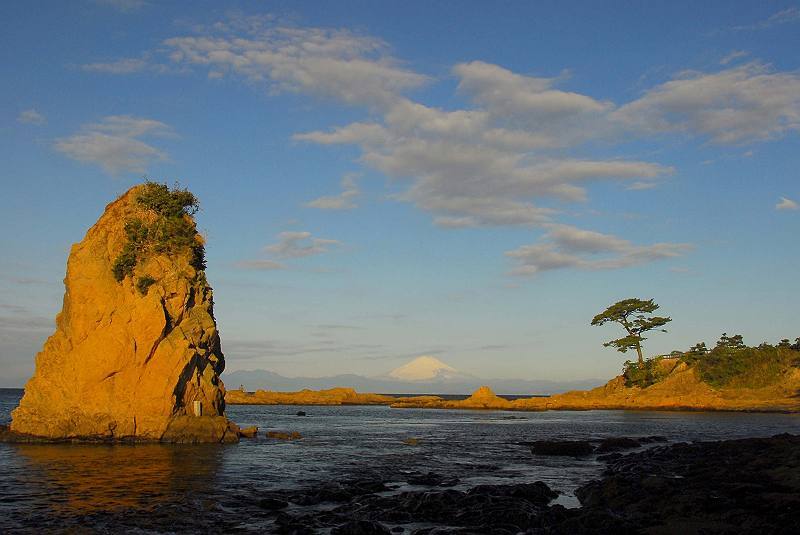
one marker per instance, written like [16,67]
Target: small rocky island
[136,354]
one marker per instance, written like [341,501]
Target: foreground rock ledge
[123,363]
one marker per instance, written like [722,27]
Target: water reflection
[84,479]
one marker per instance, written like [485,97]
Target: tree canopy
[634,316]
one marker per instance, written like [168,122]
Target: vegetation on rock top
[730,364]
[171,231]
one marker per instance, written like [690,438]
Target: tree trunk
[639,351]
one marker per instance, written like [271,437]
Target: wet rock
[432,479]
[617,443]
[301,413]
[272,504]
[651,439]
[567,448]
[248,432]
[736,486]
[538,492]
[411,442]
[281,435]
[360,527]
[358,487]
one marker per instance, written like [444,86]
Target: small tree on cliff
[633,315]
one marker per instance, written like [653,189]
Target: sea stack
[136,353]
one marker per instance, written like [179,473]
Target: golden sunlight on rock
[136,353]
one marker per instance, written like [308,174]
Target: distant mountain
[423,375]
[427,368]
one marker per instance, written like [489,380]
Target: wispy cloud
[114,143]
[564,247]
[786,204]
[641,185]
[346,200]
[120,66]
[512,157]
[261,265]
[300,244]
[786,16]
[734,106]
[290,245]
[31,117]
[733,56]
[333,63]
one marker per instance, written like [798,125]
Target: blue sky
[384,180]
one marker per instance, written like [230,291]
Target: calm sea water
[84,487]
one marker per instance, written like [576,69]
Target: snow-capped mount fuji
[427,368]
[423,375]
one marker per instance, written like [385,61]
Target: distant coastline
[680,388]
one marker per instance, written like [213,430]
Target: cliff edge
[136,353]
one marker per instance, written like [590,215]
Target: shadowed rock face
[126,364]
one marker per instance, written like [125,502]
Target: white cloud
[331,63]
[113,143]
[786,204]
[31,117]
[299,244]
[565,246]
[465,180]
[511,157]
[505,93]
[343,201]
[737,105]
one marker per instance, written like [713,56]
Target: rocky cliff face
[138,357]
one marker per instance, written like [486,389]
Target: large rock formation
[137,357]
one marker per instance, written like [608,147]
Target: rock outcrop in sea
[136,353]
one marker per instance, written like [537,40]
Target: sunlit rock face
[128,362]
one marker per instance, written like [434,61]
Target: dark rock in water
[360,527]
[432,479]
[248,432]
[617,443]
[538,492]
[609,457]
[650,439]
[281,435]
[301,413]
[357,487]
[272,504]
[569,448]
[735,486]
[338,492]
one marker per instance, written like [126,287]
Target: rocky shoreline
[737,486]
[747,485]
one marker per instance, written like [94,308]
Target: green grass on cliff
[730,364]
[173,231]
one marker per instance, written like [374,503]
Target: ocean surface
[156,488]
